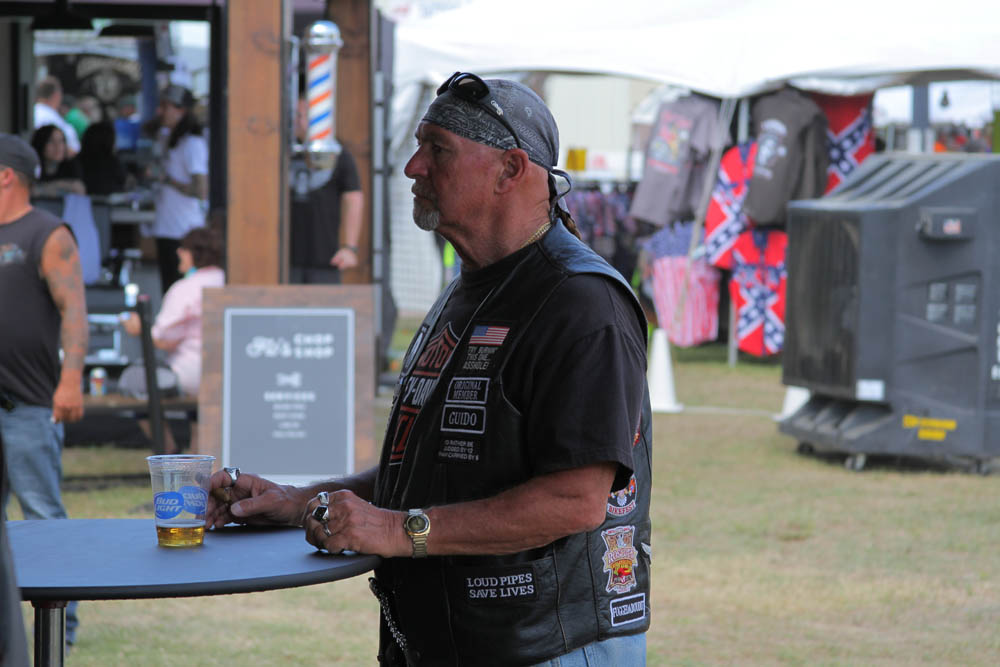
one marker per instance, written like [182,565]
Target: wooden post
[257,116]
[354,111]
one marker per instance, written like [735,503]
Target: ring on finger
[326,529]
[323,497]
[234,473]
[321,513]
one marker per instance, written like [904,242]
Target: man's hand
[357,525]
[67,402]
[346,258]
[253,500]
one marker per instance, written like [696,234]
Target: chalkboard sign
[288,392]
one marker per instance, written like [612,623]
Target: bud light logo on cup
[168,504]
[195,499]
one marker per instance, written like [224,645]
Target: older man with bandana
[511,500]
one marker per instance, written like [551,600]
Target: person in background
[326,214]
[42,299]
[511,502]
[91,108]
[59,173]
[183,179]
[13,644]
[103,173]
[48,99]
[177,328]
[73,114]
[127,125]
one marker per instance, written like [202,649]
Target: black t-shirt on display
[583,346]
[315,209]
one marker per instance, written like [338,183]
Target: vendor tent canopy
[723,48]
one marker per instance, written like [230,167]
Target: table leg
[50,633]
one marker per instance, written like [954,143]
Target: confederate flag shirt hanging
[850,134]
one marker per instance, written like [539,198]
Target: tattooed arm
[61,270]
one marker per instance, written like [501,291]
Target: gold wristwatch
[418,526]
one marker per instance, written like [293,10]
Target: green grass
[760,556]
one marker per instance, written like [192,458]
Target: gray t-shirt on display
[682,137]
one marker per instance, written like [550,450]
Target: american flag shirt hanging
[725,219]
[686,300]
[757,290]
[850,134]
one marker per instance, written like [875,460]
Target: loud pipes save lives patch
[511,585]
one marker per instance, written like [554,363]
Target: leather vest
[465,444]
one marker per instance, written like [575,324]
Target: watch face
[416,523]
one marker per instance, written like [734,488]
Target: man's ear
[515,170]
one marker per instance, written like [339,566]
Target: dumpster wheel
[855,462]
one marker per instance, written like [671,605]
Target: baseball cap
[177,95]
[18,154]
[500,113]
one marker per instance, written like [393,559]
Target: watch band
[352,248]
[418,526]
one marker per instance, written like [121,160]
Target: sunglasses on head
[472,89]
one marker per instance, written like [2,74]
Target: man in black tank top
[511,501]
[43,308]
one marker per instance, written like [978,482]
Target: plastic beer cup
[181,483]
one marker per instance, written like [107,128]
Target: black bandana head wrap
[522,108]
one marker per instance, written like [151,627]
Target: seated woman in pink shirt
[177,328]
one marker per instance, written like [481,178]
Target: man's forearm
[531,515]
[351,209]
[74,337]
[61,271]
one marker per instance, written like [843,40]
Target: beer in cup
[181,483]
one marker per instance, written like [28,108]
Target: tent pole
[742,136]
[725,118]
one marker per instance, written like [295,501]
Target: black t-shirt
[315,209]
[573,375]
[67,169]
[29,340]
[102,174]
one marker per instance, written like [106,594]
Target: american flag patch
[488,335]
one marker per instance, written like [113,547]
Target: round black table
[113,559]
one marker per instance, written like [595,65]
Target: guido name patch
[463,419]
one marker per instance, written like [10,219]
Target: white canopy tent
[723,48]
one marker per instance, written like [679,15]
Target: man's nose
[416,166]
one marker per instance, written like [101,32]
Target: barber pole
[322,43]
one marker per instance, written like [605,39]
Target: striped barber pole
[320,82]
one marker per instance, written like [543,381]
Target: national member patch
[620,558]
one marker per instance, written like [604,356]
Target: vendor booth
[771,56]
